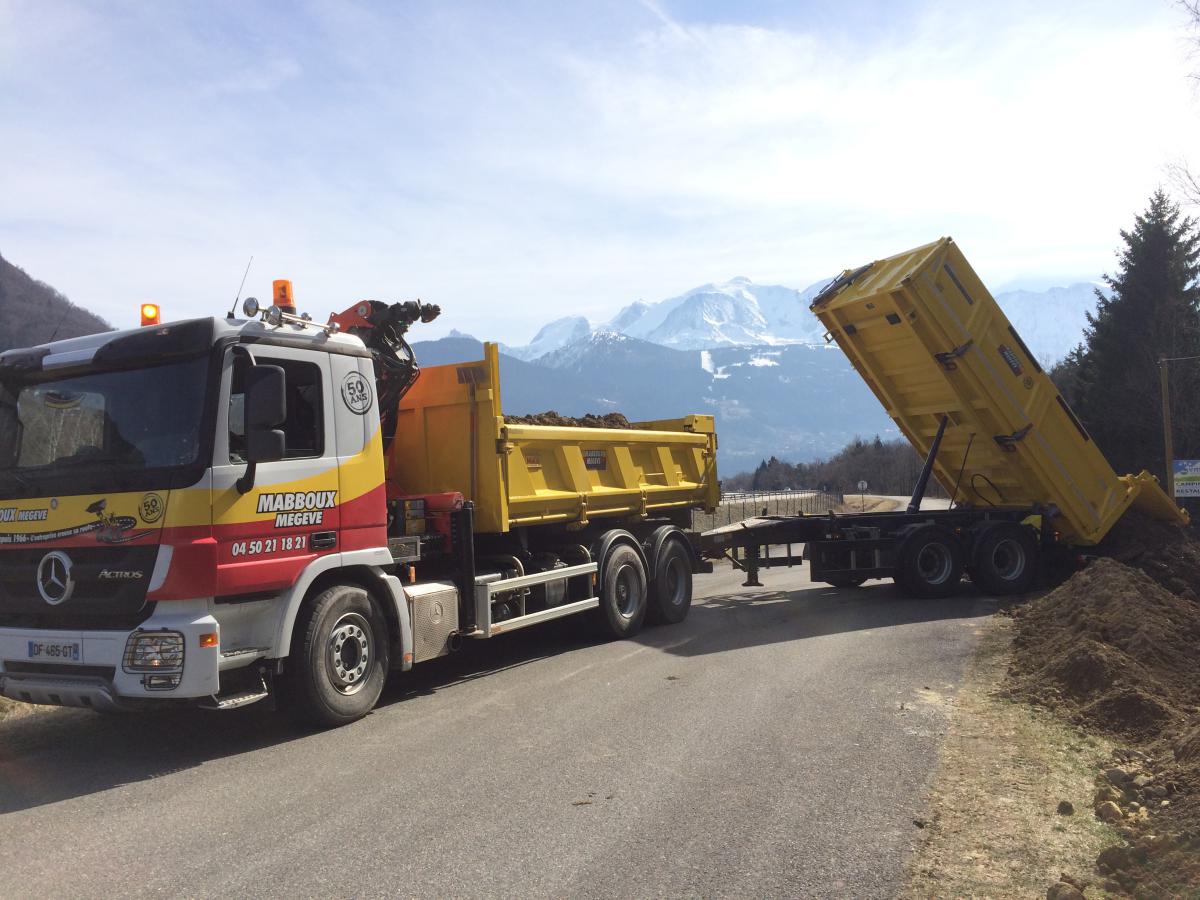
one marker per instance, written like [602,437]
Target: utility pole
[1168,443]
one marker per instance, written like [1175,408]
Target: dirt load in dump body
[589,420]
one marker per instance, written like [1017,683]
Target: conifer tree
[1153,312]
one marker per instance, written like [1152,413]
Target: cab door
[363,511]
[269,534]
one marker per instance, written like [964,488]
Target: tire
[931,563]
[623,593]
[339,658]
[1005,560]
[845,581]
[671,592]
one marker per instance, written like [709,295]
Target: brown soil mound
[1117,649]
[1114,647]
[608,420]
[1167,553]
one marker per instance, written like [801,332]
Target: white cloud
[523,165]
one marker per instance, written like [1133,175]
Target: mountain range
[740,313]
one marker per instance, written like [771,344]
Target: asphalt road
[777,743]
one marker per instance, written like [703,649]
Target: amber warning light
[150,314]
[281,288]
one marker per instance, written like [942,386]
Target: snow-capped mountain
[550,337]
[739,313]
[731,313]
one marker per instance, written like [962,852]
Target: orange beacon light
[281,294]
[150,314]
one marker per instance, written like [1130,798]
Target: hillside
[32,312]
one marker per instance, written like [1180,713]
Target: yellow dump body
[451,436]
[931,342]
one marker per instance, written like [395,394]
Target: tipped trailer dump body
[215,511]
[1023,474]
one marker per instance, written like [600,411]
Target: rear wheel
[671,595]
[339,658]
[623,594]
[1005,560]
[931,563]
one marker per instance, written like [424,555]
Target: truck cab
[145,552]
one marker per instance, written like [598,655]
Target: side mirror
[265,408]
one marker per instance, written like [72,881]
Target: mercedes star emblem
[54,580]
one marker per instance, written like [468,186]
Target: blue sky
[515,162]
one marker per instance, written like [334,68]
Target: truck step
[234,701]
[239,698]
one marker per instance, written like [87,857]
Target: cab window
[304,431]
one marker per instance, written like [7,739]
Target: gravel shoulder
[13,709]
[994,825]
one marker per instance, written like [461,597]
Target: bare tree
[1186,182]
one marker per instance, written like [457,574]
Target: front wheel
[623,594]
[339,658]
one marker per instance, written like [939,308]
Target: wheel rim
[627,593]
[934,563]
[349,653]
[676,576]
[1008,559]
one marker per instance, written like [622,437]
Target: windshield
[146,419]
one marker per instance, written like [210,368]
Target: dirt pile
[1116,649]
[550,417]
[1167,553]
[1113,647]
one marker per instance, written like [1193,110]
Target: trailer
[1022,472]
[220,510]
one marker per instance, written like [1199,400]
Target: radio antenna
[240,286]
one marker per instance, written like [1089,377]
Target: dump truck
[220,510]
[1024,476]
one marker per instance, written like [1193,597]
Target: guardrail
[738,505]
[740,496]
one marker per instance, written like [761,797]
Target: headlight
[152,651]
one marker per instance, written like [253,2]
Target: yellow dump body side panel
[931,342]
[451,436]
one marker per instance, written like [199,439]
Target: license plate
[57,651]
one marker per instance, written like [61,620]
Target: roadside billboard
[1187,478]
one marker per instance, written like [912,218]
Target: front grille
[109,591]
[32,668]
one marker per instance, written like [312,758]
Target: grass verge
[994,828]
